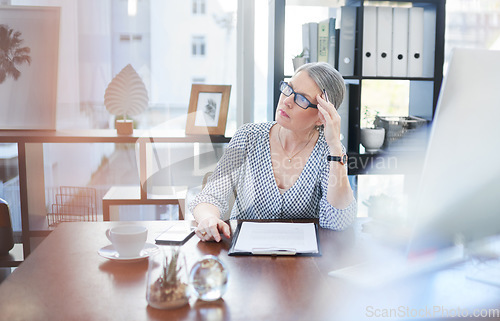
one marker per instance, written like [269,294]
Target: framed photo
[29,67]
[208,107]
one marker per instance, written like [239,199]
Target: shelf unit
[424,91]
[31,223]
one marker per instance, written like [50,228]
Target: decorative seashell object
[126,94]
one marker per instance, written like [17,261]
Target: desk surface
[65,279]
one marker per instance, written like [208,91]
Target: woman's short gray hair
[328,78]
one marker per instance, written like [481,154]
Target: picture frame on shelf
[28,83]
[208,108]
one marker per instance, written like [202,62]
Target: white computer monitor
[459,192]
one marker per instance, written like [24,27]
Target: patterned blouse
[245,169]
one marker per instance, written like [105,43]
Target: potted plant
[372,138]
[300,59]
[167,280]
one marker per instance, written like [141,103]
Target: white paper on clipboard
[259,237]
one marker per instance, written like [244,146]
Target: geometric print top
[245,169]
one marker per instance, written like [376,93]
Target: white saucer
[109,252]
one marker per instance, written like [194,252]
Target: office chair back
[6,234]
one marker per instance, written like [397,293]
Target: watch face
[344,159]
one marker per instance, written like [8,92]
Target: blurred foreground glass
[167,283]
[208,278]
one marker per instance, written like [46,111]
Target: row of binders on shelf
[320,41]
[396,42]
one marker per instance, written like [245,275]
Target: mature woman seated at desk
[291,168]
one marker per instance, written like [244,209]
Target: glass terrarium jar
[208,278]
[167,282]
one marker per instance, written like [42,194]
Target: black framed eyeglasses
[299,99]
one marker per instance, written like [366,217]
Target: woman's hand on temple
[330,118]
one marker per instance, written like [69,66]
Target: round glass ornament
[209,278]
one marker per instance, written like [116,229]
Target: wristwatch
[341,159]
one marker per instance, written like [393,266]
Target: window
[261,53]
[105,40]
[471,24]
[199,7]
[198,46]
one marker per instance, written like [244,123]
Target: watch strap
[331,158]
[341,159]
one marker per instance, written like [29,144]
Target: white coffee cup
[128,240]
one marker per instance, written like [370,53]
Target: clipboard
[271,251]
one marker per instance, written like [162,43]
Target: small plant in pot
[167,280]
[372,138]
[300,59]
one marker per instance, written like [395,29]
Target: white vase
[297,62]
[372,139]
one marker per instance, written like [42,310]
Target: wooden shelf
[131,195]
[424,91]
[103,136]
[140,137]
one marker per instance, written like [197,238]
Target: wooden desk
[65,279]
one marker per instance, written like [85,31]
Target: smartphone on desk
[176,234]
